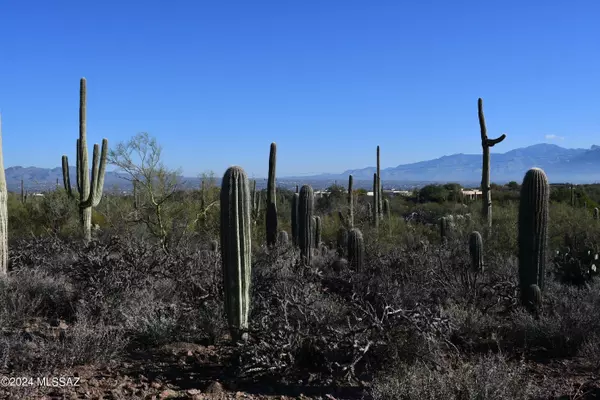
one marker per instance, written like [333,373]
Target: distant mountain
[560,164]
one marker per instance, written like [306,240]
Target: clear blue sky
[217,81]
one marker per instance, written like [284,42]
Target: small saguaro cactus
[486,193]
[596,213]
[305,222]
[386,208]
[317,221]
[23,195]
[444,229]
[476,251]
[90,193]
[356,249]
[533,230]
[3,213]
[283,238]
[533,298]
[271,217]
[295,203]
[350,202]
[236,249]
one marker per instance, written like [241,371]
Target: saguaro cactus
[317,221]
[444,228]
[350,202]
[295,202]
[3,213]
[379,188]
[386,208]
[283,238]
[533,231]
[476,251]
[356,249]
[486,193]
[89,193]
[271,218]
[236,249]
[375,201]
[305,228]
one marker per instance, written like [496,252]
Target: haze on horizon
[215,84]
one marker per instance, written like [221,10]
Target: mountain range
[560,164]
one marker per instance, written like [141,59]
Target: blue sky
[217,81]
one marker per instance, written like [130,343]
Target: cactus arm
[78,166]
[98,180]
[492,142]
[66,176]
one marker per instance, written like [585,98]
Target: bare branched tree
[140,159]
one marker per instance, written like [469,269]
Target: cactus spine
[23,197]
[386,208]
[236,249]
[476,251]
[350,202]
[90,193]
[305,228]
[3,213]
[533,231]
[271,218]
[356,249]
[295,203]
[485,174]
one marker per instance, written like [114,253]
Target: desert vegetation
[227,291]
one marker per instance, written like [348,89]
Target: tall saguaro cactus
[350,202]
[305,222]
[3,213]
[295,203]
[486,143]
[271,218]
[533,232]
[90,193]
[375,207]
[236,252]
[379,188]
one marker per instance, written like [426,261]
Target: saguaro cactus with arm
[90,193]
[486,194]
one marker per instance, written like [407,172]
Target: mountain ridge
[560,164]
